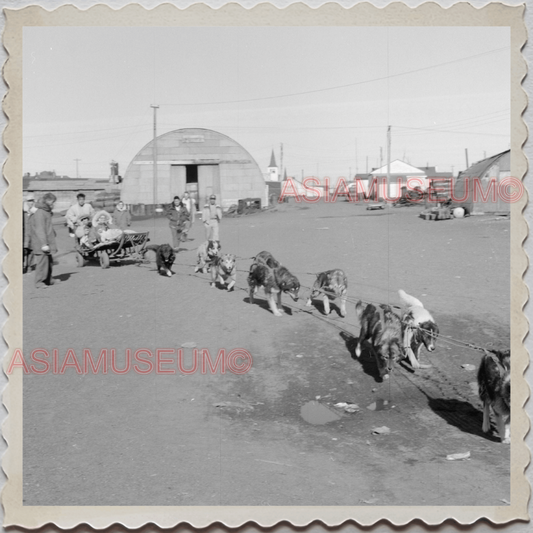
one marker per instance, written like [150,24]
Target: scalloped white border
[166,14]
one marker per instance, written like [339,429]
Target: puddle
[380,405]
[316,413]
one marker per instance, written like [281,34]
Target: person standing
[212,215]
[190,205]
[178,217]
[121,216]
[75,211]
[43,240]
[27,210]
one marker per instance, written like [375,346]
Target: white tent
[291,187]
[401,173]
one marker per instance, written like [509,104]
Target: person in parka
[121,216]
[178,217]
[43,240]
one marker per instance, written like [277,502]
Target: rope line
[457,343]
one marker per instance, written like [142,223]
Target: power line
[454,131]
[82,131]
[142,127]
[37,146]
[476,117]
[466,123]
[389,76]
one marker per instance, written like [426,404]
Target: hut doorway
[191,183]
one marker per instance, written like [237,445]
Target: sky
[327,94]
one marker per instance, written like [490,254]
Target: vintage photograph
[266,265]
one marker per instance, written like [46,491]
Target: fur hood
[43,205]
[98,214]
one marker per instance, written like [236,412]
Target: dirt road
[227,439]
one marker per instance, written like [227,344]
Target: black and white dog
[419,329]
[164,257]
[208,252]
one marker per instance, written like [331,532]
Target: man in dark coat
[43,240]
[178,217]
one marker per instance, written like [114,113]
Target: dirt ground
[227,439]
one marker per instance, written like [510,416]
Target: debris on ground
[348,407]
[383,430]
[458,456]
[380,405]
[188,345]
[468,367]
[234,405]
[370,501]
[372,207]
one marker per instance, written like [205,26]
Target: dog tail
[359,308]
[408,300]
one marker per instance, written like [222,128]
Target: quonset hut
[198,160]
[474,182]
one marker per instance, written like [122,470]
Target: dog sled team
[390,337]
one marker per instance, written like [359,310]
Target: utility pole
[281,163]
[77,175]
[466,154]
[356,165]
[388,160]
[154,152]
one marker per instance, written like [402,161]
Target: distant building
[273,169]
[399,172]
[197,160]
[432,172]
[291,187]
[421,177]
[66,189]
[480,175]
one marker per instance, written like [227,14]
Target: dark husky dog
[164,257]
[274,279]
[382,327]
[266,258]
[494,380]
[330,284]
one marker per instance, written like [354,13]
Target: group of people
[81,211]
[89,226]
